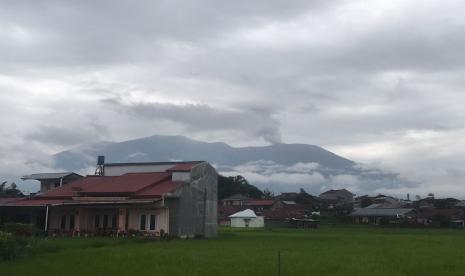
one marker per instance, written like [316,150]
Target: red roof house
[151,198]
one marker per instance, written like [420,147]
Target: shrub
[10,248]
[20,229]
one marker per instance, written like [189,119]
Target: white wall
[257,222]
[161,221]
[120,170]
[182,176]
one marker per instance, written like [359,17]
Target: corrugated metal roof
[153,163]
[43,176]
[60,202]
[388,212]
[183,167]
[330,192]
[5,200]
[237,197]
[159,189]
[72,188]
[247,213]
[127,183]
[260,202]
[148,184]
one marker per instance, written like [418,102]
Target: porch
[108,221]
[151,220]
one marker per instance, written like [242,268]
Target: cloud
[379,82]
[201,117]
[68,135]
[316,179]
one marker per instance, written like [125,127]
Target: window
[113,222]
[143,222]
[63,223]
[105,221]
[97,221]
[71,222]
[152,223]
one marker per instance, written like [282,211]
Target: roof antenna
[99,170]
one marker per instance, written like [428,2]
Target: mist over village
[262,134]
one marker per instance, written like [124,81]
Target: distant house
[382,215]
[441,217]
[235,200]
[282,212]
[246,219]
[303,223]
[176,198]
[337,196]
[49,181]
[260,205]
[292,196]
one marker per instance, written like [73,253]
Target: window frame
[143,222]
[154,222]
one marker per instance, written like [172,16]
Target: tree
[267,194]
[304,198]
[231,185]
[10,191]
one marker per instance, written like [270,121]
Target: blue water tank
[101,160]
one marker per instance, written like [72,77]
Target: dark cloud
[68,135]
[73,33]
[202,118]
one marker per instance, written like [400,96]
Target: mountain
[163,148]
[275,166]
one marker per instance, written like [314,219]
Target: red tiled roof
[182,167]
[261,202]
[131,184]
[159,189]
[126,183]
[8,199]
[71,189]
[285,214]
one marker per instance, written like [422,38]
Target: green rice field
[323,251]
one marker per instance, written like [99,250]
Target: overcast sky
[379,82]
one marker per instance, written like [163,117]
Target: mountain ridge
[163,148]
[279,167]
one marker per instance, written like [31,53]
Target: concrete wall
[120,170]
[257,222]
[194,211]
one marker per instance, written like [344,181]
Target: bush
[16,239]
[10,248]
[20,229]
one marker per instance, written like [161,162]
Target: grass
[324,251]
